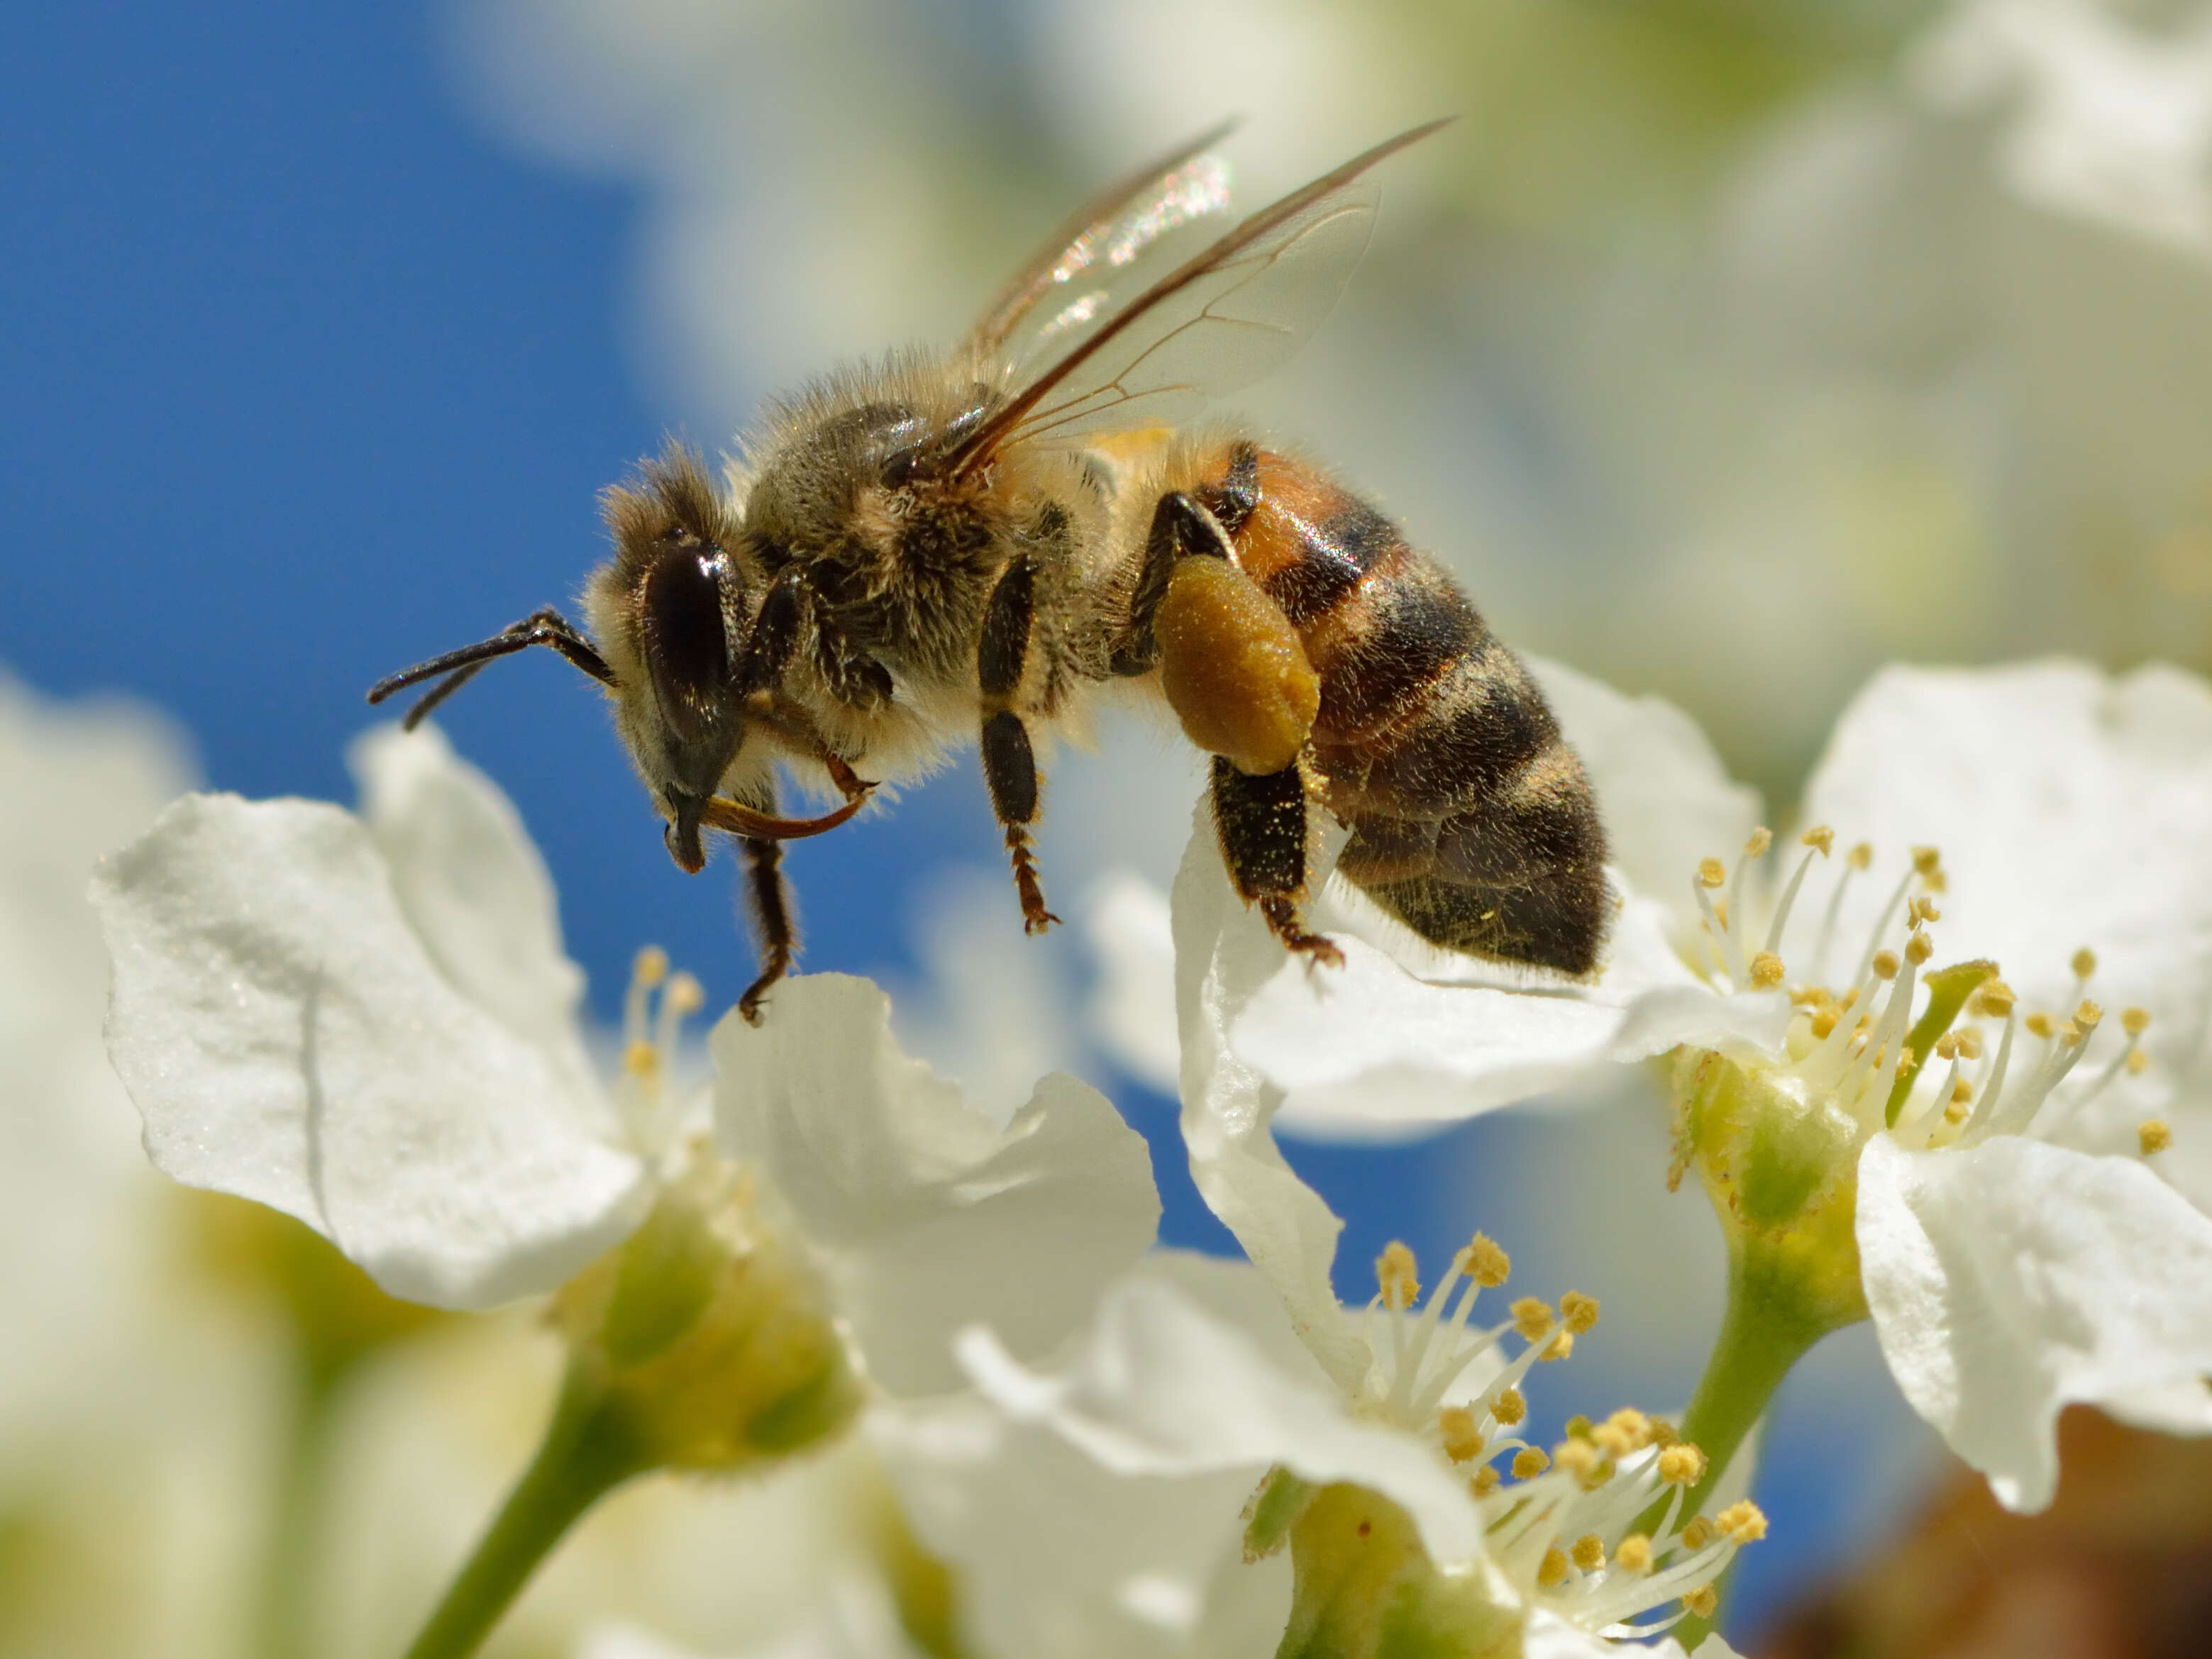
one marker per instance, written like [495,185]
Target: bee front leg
[1009,761]
[1261,823]
[770,898]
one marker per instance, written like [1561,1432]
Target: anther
[1742,1521]
[1483,1481]
[1553,1570]
[1969,1044]
[1766,970]
[1919,948]
[1487,1262]
[2088,1016]
[1761,839]
[650,967]
[1634,1554]
[2084,963]
[1579,1313]
[1529,1462]
[685,994]
[1824,1022]
[1510,1406]
[1711,873]
[1682,1465]
[642,1059]
[1946,1046]
[1699,1533]
[1993,999]
[2153,1135]
[1664,1433]
[1582,1459]
[1926,862]
[1590,1551]
[1885,964]
[1921,909]
[2070,1035]
[1861,857]
[2135,1021]
[1561,1347]
[1819,836]
[1532,1317]
[2138,1062]
[1461,1439]
[1703,1601]
[1633,1425]
[2039,1024]
[1397,1276]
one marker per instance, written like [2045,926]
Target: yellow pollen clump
[1766,970]
[1819,835]
[1861,857]
[1397,1275]
[1885,964]
[1961,1092]
[1578,1427]
[1946,1046]
[1698,1533]
[1682,1465]
[1578,1312]
[1590,1551]
[1483,1481]
[1711,873]
[1455,1428]
[2084,963]
[651,966]
[1561,1347]
[1553,1570]
[1529,1462]
[1993,999]
[2088,1016]
[1705,1601]
[1510,1407]
[1742,1521]
[2138,1062]
[1970,1043]
[2135,1021]
[1486,1262]
[1664,1433]
[1919,947]
[685,994]
[2153,1135]
[1926,860]
[1532,1317]
[1634,1554]
[642,1059]
[1921,909]
[1761,839]
[1581,1459]
[2039,1024]
[1634,1425]
[1824,1022]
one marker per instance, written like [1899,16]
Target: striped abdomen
[1473,822]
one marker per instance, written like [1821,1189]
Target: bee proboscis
[969,544]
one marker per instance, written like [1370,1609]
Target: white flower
[368,1022]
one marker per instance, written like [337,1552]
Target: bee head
[671,607]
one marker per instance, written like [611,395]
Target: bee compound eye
[686,638]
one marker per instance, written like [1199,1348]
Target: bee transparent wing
[1219,322]
[1100,245]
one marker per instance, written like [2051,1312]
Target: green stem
[587,1452]
[1764,1334]
[287,1571]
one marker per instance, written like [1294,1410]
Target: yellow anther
[650,967]
[1811,996]
[1720,911]
[2070,1035]
[1766,970]
[1825,1022]
[1582,1459]
[1711,873]
[1761,839]
[1483,1481]
[1698,1533]
[2153,1135]
[1919,948]
[1397,1275]
[1553,1570]
[1579,1313]
[1532,1317]
[642,1059]
[1970,1043]
[1961,1092]
[1682,1465]
[1885,964]
[1992,999]
[685,994]
[1614,1443]
[1578,1427]
[1664,1433]
[2138,1062]
[1946,1046]
[1742,1521]
[1861,857]
[1590,1551]
[2084,963]
[1634,1554]
[1486,1262]
[1955,1113]
[1455,1428]
[1510,1407]
[1529,1462]
[2135,1021]
[2088,1016]
[1821,836]
[1920,909]
[1633,1425]
[1561,1347]
[1927,861]
[1703,1601]
[2039,1024]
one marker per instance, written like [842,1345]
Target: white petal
[1550,1637]
[1133,1013]
[2012,1279]
[470,884]
[929,1217]
[1162,1387]
[1666,798]
[287,1038]
[2070,808]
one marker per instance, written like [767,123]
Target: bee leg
[770,898]
[1262,823]
[1181,529]
[1009,763]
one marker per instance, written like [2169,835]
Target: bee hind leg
[1261,823]
[1009,760]
[1181,529]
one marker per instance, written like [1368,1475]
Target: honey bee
[972,544]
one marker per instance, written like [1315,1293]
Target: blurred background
[1725,348]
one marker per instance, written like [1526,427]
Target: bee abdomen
[1474,822]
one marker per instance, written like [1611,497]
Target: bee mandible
[972,544]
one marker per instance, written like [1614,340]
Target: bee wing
[1219,321]
[1102,241]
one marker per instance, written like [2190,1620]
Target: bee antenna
[455,669]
